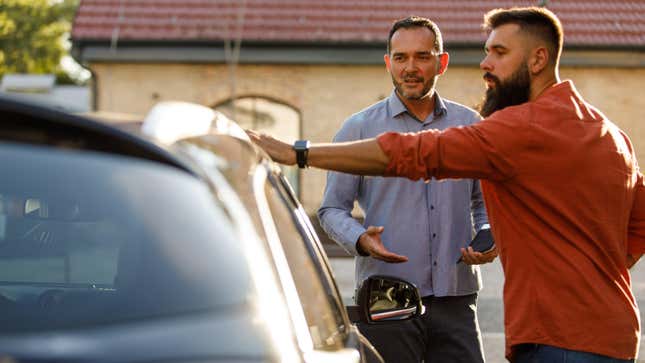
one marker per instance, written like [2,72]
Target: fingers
[478,258]
[387,256]
[381,253]
[370,242]
[492,253]
[258,137]
[278,151]
[391,258]
[253,135]
[471,257]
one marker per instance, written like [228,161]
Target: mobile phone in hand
[483,242]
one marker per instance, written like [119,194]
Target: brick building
[305,65]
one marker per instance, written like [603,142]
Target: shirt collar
[397,107]
[439,106]
[563,86]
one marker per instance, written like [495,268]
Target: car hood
[221,335]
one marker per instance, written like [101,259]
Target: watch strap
[302,152]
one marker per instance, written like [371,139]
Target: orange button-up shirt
[566,202]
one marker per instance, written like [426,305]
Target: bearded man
[562,187]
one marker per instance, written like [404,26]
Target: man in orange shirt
[564,194]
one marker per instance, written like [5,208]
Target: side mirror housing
[384,298]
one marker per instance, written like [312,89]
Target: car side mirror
[386,298]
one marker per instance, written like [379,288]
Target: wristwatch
[302,151]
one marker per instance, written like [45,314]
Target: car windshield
[89,238]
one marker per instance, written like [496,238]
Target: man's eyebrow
[495,47]
[421,52]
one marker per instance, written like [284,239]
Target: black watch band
[302,151]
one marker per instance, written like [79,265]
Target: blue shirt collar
[397,107]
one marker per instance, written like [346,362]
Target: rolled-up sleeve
[410,154]
[481,151]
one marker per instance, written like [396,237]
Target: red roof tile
[586,23]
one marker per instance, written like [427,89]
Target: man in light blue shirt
[413,230]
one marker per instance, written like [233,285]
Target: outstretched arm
[486,150]
[367,158]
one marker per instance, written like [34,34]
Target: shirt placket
[433,217]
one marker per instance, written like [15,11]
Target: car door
[312,272]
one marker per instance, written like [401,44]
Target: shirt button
[431,207]
[435,263]
[434,235]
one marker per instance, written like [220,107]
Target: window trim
[314,246]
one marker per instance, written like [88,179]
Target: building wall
[326,95]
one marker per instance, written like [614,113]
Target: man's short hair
[534,21]
[417,22]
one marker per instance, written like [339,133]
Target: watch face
[301,147]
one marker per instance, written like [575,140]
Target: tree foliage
[33,34]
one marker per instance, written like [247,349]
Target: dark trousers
[539,353]
[447,333]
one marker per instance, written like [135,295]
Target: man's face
[505,70]
[413,62]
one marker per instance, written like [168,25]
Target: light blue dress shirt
[427,222]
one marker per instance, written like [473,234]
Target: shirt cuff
[352,239]
[386,142]
[407,153]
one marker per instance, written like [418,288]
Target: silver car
[185,244]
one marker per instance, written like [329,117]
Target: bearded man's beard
[514,91]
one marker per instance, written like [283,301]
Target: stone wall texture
[326,95]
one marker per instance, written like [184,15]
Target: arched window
[276,119]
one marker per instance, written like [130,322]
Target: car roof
[35,123]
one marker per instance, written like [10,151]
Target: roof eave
[324,53]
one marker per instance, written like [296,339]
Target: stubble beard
[514,91]
[428,88]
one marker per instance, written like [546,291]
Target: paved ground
[490,301]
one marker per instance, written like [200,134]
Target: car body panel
[183,339]
[278,320]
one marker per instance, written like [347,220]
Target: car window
[314,245]
[320,310]
[89,238]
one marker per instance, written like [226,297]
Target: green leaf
[33,34]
